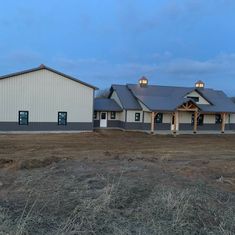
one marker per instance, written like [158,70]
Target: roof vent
[143,82]
[42,66]
[199,84]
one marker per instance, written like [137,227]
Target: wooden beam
[152,122]
[176,115]
[180,109]
[190,106]
[223,122]
[195,122]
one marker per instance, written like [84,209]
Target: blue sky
[172,42]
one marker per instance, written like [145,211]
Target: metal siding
[131,116]
[43,94]
[45,126]
[185,117]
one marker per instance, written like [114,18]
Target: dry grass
[122,206]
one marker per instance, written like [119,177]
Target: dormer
[196,97]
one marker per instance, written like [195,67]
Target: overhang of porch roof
[188,105]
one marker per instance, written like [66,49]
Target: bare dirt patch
[117,183]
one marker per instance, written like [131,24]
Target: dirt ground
[38,167]
[210,158]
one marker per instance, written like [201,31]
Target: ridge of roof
[41,67]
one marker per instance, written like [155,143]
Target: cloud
[163,69]
[220,64]
[136,18]
[188,67]
[20,59]
[103,72]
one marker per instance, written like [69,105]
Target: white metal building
[43,99]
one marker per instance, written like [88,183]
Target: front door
[103,119]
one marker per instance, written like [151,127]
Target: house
[43,99]
[152,108]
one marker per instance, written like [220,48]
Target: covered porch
[196,115]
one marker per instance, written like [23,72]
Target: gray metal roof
[127,99]
[106,104]
[42,66]
[220,101]
[168,98]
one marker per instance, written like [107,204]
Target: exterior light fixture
[199,84]
[143,82]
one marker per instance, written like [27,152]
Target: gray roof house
[152,107]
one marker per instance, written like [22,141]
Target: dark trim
[27,118]
[46,126]
[205,127]
[96,123]
[125,115]
[49,69]
[115,123]
[66,117]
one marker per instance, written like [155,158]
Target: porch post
[176,121]
[152,122]
[195,122]
[223,122]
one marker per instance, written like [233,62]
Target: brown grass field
[114,182]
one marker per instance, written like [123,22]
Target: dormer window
[194,98]
[143,82]
[199,84]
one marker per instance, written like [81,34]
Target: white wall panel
[131,116]
[44,93]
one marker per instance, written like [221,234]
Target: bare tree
[104,93]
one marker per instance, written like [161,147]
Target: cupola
[143,82]
[199,84]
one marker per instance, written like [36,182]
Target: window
[158,118]
[103,116]
[218,119]
[195,99]
[137,117]
[199,119]
[23,117]
[62,118]
[95,114]
[113,115]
